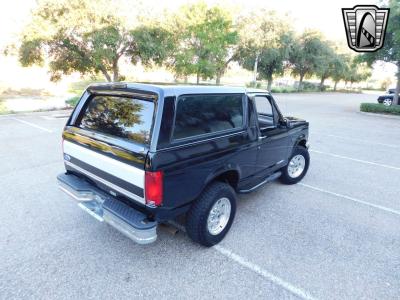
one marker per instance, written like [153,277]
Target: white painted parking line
[357,160]
[360,140]
[256,269]
[32,125]
[264,273]
[384,208]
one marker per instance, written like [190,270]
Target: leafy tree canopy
[307,54]
[340,64]
[265,39]
[88,37]
[357,72]
[203,38]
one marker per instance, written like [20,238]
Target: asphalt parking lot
[333,236]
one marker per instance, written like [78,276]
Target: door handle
[263,137]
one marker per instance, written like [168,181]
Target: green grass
[380,108]
[73,101]
[3,110]
[78,87]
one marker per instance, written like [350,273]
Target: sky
[325,16]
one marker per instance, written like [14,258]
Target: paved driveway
[334,236]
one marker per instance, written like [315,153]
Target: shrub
[283,90]
[309,86]
[380,108]
[3,109]
[257,85]
[72,101]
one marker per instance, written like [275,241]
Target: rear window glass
[202,114]
[123,117]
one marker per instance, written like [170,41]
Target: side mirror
[286,123]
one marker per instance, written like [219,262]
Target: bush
[72,101]
[2,108]
[257,85]
[380,108]
[309,86]
[283,90]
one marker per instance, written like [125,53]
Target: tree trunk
[198,77]
[321,84]
[396,95]
[300,87]
[269,84]
[334,87]
[255,71]
[106,75]
[115,71]
[186,79]
[218,79]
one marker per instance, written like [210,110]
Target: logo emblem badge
[365,27]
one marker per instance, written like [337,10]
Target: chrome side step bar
[103,207]
[266,180]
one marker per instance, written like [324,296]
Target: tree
[87,37]
[391,49]
[326,63]
[204,37]
[357,72]
[265,41]
[340,68]
[305,55]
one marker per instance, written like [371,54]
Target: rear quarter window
[122,117]
[206,114]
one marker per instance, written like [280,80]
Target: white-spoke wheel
[219,216]
[387,102]
[296,166]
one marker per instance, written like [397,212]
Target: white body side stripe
[111,166]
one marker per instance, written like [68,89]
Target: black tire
[285,177]
[196,218]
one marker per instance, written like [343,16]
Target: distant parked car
[387,99]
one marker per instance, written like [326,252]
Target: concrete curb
[38,113]
[380,115]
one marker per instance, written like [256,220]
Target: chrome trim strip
[107,183]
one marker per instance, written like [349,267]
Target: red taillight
[154,187]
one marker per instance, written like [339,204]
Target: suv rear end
[106,143]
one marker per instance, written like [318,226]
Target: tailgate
[108,141]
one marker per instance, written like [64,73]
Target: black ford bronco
[137,155]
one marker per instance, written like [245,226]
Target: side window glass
[263,106]
[204,114]
[266,112]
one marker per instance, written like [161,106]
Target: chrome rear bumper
[103,207]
